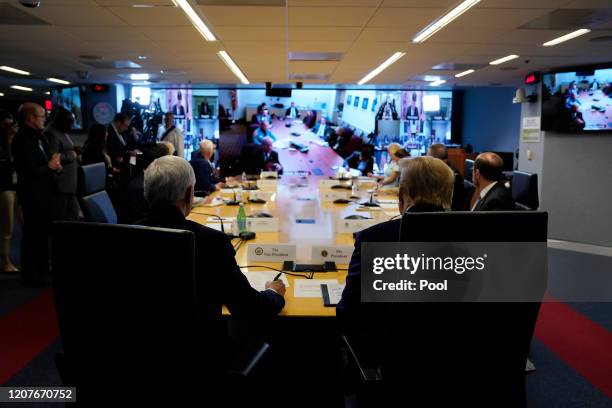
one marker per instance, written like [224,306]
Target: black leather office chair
[463,354]
[468,169]
[127,320]
[525,190]
[95,202]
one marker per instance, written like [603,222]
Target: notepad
[332,293]
[311,288]
[258,279]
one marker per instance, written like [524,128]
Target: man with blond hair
[206,180]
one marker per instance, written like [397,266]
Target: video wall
[69,98]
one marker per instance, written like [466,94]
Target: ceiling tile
[301,33]
[330,16]
[76,15]
[241,33]
[244,16]
[151,16]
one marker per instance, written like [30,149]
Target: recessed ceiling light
[464,73]
[566,37]
[504,59]
[14,70]
[381,67]
[1,94]
[21,88]
[233,67]
[139,77]
[195,19]
[58,81]
[142,57]
[438,24]
[437,83]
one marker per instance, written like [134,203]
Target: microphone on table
[233,202]
[371,202]
[220,220]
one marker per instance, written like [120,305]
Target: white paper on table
[311,288]
[225,219]
[217,226]
[258,279]
[335,292]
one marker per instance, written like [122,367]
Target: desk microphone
[220,220]
[370,203]
[233,202]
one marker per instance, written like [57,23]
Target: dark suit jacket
[459,192]
[252,159]
[35,183]
[310,121]
[288,112]
[205,175]
[219,280]
[498,198]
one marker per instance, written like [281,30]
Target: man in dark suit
[206,180]
[115,142]
[256,158]
[439,151]
[269,157]
[430,182]
[36,169]
[492,194]
[169,184]
[292,112]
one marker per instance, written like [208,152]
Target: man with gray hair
[168,187]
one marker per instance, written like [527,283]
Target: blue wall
[491,122]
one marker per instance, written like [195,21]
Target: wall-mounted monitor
[576,101]
[69,98]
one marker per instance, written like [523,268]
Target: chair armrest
[368,374]
[246,365]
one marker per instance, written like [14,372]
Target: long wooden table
[298,197]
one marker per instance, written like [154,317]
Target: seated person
[310,119]
[492,193]
[343,135]
[322,129]
[261,132]
[391,170]
[576,121]
[168,186]
[362,160]
[206,180]
[426,185]
[257,158]
[439,151]
[292,112]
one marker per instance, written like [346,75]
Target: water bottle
[241,218]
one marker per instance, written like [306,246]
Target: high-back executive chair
[465,354]
[525,190]
[129,324]
[95,202]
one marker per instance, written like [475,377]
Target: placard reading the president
[340,254]
[270,252]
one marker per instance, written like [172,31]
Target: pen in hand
[278,276]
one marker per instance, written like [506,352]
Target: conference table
[304,218]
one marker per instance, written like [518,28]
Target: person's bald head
[32,114]
[439,151]
[488,168]
[267,144]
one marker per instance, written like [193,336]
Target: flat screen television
[577,101]
[69,98]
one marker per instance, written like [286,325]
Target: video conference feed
[577,101]
[69,98]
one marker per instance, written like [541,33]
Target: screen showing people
[69,98]
[577,101]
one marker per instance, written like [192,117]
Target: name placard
[256,224]
[267,184]
[324,184]
[340,254]
[332,195]
[270,252]
[350,226]
[260,194]
[266,174]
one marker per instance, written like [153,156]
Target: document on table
[217,226]
[258,279]
[311,288]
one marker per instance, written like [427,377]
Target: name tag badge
[270,252]
[266,174]
[262,195]
[334,195]
[256,224]
[350,226]
[267,184]
[327,183]
[340,254]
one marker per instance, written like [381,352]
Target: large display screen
[577,101]
[69,98]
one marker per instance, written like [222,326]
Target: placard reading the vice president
[270,252]
[267,184]
[340,254]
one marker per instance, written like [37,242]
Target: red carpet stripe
[25,332]
[580,343]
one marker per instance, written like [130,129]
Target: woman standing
[8,183]
[391,170]
[64,204]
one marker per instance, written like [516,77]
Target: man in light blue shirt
[262,132]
